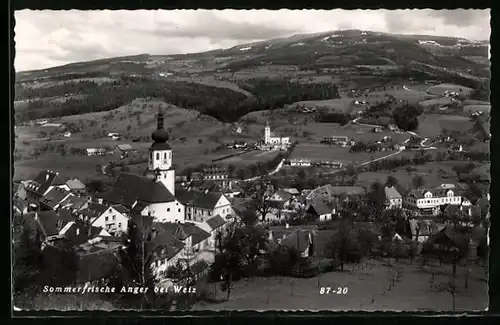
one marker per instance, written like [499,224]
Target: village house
[74,203]
[422,230]
[281,199]
[215,173]
[195,239]
[166,248]
[321,209]
[430,200]
[154,192]
[214,226]
[53,198]
[338,140]
[75,186]
[300,162]
[96,151]
[201,206]
[393,198]
[299,238]
[330,191]
[123,150]
[113,219]
[35,189]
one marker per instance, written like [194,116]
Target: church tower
[160,157]
[267,133]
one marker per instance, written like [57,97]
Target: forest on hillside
[221,103]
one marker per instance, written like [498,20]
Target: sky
[50,38]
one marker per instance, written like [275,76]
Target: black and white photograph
[260,160]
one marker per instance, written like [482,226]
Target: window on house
[106,218]
[165,155]
[119,224]
[78,231]
[179,210]
[209,213]
[157,156]
[168,209]
[114,217]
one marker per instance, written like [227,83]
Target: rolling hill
[229,83]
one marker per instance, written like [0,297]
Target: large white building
[271,138]
[433,199]
[153,194]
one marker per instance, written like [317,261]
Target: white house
[154,194]
[201,206]
[114,219]
[214,226]
[393,198]
[432,199]
[270,138]
[300,162]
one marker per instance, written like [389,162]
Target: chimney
[99,200]
[287,225]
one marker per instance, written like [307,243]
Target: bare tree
[451,288]
[260,195]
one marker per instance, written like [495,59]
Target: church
[270,138]
[153,193]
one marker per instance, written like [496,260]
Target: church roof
[131,188]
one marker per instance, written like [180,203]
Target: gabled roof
[299,239]
[164,244]
[94,210]
[450,236]
[391,193]
[131,188]
[73,202]
[198,199]
[330,190]
[198,235]
[75,184]
[120,208]
[285,196]
[55,196]
[321,207]
[292,191]
[175,229]
[48,222]
[216,222]
[124,147]
[41,183]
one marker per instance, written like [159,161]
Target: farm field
[250,158]
[431,125]
[412,96]
[367,290]
[434,173]
[477,108]
[441,88]
[339,105]
[436,101]
[318,152]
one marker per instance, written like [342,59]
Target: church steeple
[160,135]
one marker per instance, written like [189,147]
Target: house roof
[175,229]
[164,244]
[292,191]
[321,207]
[451,236]
[120,208]
[124,147]
[48,222]
[216,222]
[130,188]
[198,234]
[298,239]
[75,184]
[73,202]
[330,190]
[284,195]
[41,183]
[391,193]
[94,210]
[198,199]
[55,196]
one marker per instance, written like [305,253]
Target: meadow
[431,125]
[318,152]
[367,290]
[441,88]
[250,158]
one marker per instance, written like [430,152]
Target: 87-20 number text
[329,290]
